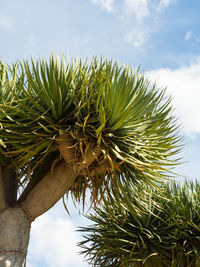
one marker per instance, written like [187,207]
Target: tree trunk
[16,215]
[14,237]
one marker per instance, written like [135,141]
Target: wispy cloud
[164,3]
[143,16]
[105,4]
[137,8]
[138,38]
[139,18]
[188,35]
[183,85]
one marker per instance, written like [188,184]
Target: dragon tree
[73,127]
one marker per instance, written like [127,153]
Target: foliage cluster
[95,103]
[166,235]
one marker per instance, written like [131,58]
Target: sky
[160,36]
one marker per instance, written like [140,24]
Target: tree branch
[36,177]
[59,179]
[3,204]
[49,190]
[10,185]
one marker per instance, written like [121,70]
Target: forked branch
[61,177]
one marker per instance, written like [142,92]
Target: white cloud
[164,3]
[184,86]
[138,38]
[188,35]
[53,242]
[105,4]
[135,14]
[6,22]
[142,19]
[137,8]
[139,18]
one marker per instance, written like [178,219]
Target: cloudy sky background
[162,36]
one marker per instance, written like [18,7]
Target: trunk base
[14,237]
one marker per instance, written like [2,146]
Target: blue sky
[162,36]
[154,39]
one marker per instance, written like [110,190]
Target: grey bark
[56,183]
[49,190]
[16,216]
[14,237]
